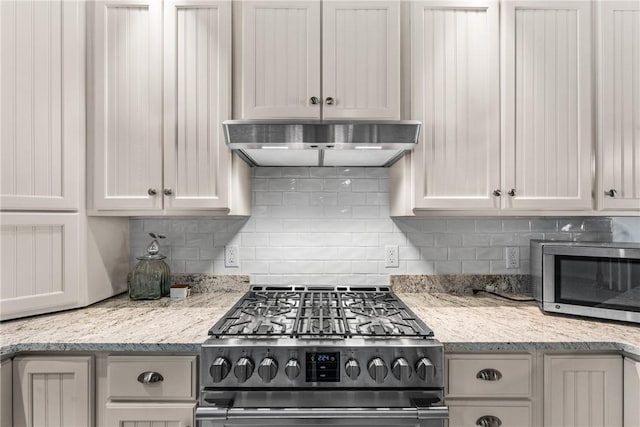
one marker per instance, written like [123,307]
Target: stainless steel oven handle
[431,413]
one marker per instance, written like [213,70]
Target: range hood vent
[321,142]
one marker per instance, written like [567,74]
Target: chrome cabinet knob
[611,193]
[425,369]
[401,369]
[268,369]
[314,100]
[152,191]
[377,369]
[512,192]
[220,369]
[292,369]
[168,191]
[352,368]
[329,101]
[497,192]
[488,421]
[243,369]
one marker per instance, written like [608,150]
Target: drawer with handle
[490,414]
[152,377]
[486,376]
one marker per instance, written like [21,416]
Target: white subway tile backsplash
[330,226]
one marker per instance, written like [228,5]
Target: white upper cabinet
[547,105]
[197,99]
[361,59]
[455,93]
[41,104]
[281,59]
[619,105]
[283,45]
[126,113]
[161,88]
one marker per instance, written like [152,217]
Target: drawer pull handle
[150,377]
[489,375]
[488,421]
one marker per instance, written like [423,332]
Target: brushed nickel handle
[314,100]
[497,192]
[329,101]
[150,377]
[611,193]
[489,374]
[512,192]
[152,191]
[488,421]
[168,191]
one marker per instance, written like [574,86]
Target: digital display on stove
[322,366]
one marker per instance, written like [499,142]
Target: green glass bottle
[151,278]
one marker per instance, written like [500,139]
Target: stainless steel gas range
[317,356]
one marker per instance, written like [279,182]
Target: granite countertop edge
[192,348]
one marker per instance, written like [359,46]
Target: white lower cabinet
[582,390]
[491,390]
[146,389]
[52,391]
[6,390]
[631,393]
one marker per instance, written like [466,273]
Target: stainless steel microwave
[587,278]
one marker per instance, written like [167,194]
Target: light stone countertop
[462,323]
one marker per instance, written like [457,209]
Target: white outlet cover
[391,258]
[231,256]
[512,256]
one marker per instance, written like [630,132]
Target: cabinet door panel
[197,57]
[582,391]
[127,104]
[38,263]
[464,414]
[161,415]
[280,59]
[50,392]
[361,59]
[456,94]
[631,392]
[619,106]
[547,105]
[41,103]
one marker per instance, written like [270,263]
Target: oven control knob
[352,368]
[243,369]
[401,369]
[377,369]
[425,369]
[292,369]
[268,369]
[220,369]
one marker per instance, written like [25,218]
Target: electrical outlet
[231,256]
[391,256]
[513,257]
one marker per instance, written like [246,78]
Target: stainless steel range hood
[321,142]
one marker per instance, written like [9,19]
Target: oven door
[311,408]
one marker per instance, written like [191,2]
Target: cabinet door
[582,391]
[39,256]
[280,59]
[53,391]
[6,388]
[126,104]
[547,105]
[619,105]
[631,393]
[164,414]
[361,59]
[41,103]
[455,93]
[197,56]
